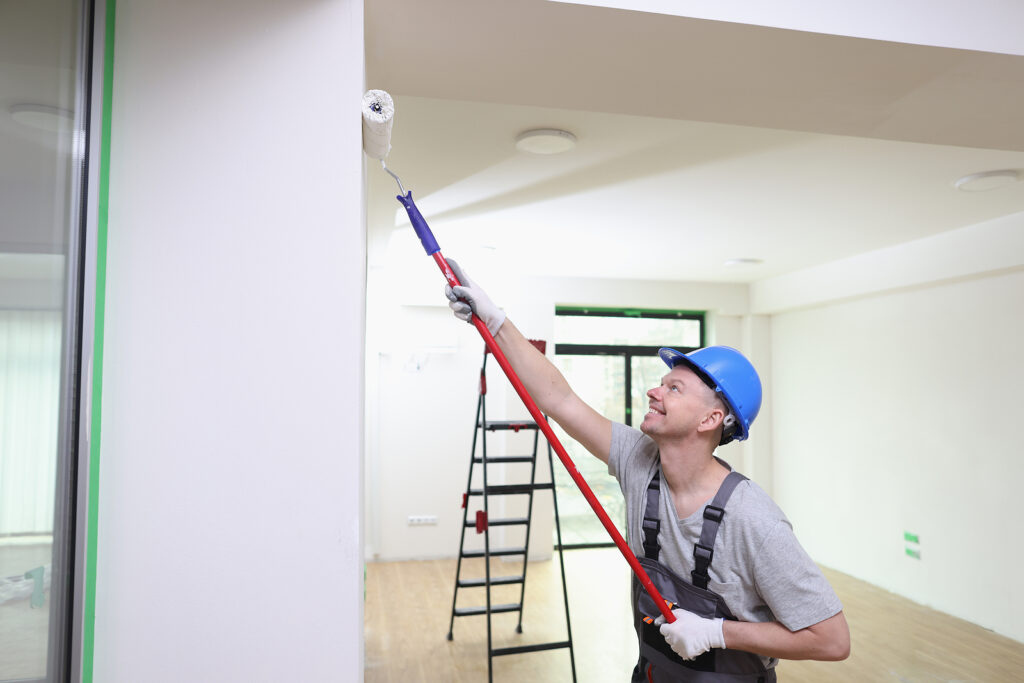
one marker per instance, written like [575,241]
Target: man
[743,591]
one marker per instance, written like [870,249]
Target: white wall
[230,546]
[896,412]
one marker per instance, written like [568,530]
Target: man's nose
[652,392]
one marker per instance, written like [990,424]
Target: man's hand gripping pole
[431,247]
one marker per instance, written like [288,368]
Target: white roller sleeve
[378,114]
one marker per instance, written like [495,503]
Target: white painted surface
[895,413]
[977,25]
[230,546]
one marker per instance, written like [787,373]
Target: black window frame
[627,352]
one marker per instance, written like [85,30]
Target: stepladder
[498,514]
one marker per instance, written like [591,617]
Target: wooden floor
[408,606]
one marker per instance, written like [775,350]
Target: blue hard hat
[728,372]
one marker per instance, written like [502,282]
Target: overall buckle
[702,553]
[713,513]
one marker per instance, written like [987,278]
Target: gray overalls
[658,663]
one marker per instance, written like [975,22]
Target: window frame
[627,352]
[96,95]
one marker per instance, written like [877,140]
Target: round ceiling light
[42,117]
[545,141]
[987,180]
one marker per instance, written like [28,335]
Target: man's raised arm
[541,378]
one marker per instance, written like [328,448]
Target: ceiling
[711,139]
[699,141]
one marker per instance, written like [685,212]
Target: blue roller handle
[419,224]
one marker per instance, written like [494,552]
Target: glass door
[600,382]
[610,359]
[43,114]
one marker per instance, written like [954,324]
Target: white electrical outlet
[422,520]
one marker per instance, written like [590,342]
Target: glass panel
[599,381]
[39,170]
[581,329]
[647,373]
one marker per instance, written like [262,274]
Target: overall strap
[652,520]
[704,549]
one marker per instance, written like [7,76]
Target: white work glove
[690,636]
[468,298]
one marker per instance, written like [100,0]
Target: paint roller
[378,115]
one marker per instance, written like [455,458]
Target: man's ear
[713,419]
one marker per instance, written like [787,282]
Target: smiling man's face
[678,405]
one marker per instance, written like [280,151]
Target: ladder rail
[561,564]
[481,427]
[465,516]
[529,526]
[487,533]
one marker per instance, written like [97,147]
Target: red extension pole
[570,467]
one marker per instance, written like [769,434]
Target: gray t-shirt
[759,567]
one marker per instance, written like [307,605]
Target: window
[610,358]
[45,69]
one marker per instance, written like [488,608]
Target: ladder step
[472,611]
[495,581]
[508,489]
[514,425]
[511,521]
[495,553]
[496,652]
[505,458]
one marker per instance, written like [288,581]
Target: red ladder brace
[535,412]
[481,516]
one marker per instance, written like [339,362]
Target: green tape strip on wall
[89,615]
